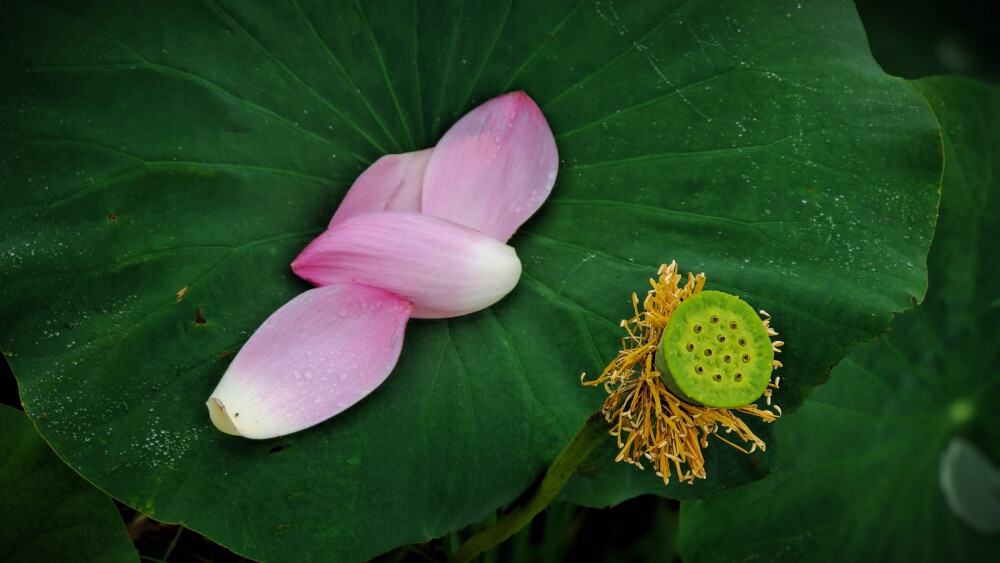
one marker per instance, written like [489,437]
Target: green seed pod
[715,351]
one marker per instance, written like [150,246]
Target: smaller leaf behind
[50,512]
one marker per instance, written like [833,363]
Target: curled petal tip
[443,268]
[494,168]
[313,358]
[220,418]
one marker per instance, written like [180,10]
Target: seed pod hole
[727,358]
[746,358]
[697,329]
[717,377]
[690,347]
[708,351]
[699,369]
[721,338]
[738,377]
[742,341]
[733,325]
[714,318]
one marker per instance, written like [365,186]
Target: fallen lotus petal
[494,168]
[393,183]
[443,268]
[314,357]
[418,234]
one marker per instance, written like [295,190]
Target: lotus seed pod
[715,351]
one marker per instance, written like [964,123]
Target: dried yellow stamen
[648,420]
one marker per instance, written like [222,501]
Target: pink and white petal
[494,168]
[392,183]
[443,268]
[317,355]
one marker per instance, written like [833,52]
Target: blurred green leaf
[860,463]
[971,485]
[50,513]
[163,162]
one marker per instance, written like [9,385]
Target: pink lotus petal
[494,168]
[443,268]
[393,183]
[314,357]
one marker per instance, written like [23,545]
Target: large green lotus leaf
[865,464]
[163,162]
[50,513]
